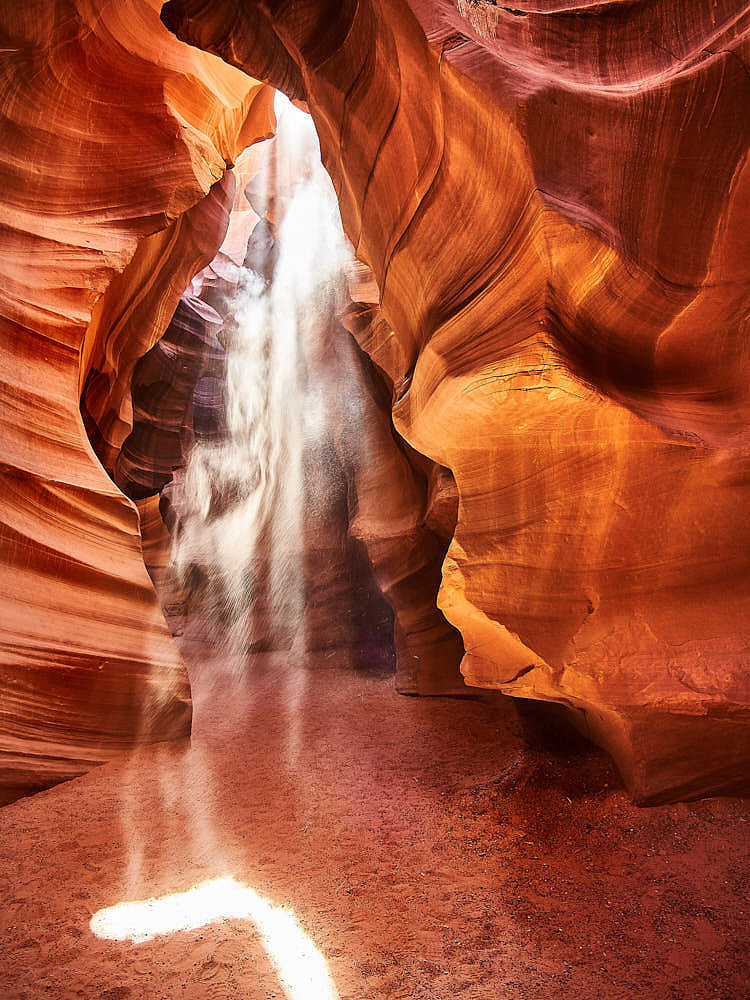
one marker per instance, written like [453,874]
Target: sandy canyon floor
[428,848]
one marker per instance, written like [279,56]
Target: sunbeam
[242,502]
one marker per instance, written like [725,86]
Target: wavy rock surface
[392,511]
[177,383]
[112,131]
[556,206]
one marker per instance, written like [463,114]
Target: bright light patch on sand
[301,967]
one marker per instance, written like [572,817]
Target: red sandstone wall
[557,217]
[111,131]
[555,207]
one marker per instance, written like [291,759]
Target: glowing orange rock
[556,212]
[112,131]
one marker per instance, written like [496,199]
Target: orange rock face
[394,515]
[556,206]
[112,131]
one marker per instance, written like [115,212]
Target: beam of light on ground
[301,967]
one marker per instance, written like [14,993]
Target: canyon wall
[555,206]
[114,134]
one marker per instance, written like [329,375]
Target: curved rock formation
[556,212]
[177,382]
[393,513]
[112,131]
[554,203]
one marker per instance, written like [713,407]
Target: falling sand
[240,505]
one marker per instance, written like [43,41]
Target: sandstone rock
[112,131]
[555,208]
[178,383]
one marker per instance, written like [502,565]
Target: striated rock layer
[112,132]
[555,206]
[392,492]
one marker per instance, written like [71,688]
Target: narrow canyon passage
[429,848]
[353,351]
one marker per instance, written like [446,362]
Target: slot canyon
[375,521]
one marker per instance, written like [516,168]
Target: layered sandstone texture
[113,134]
[555,204]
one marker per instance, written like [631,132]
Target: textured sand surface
[428,848]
